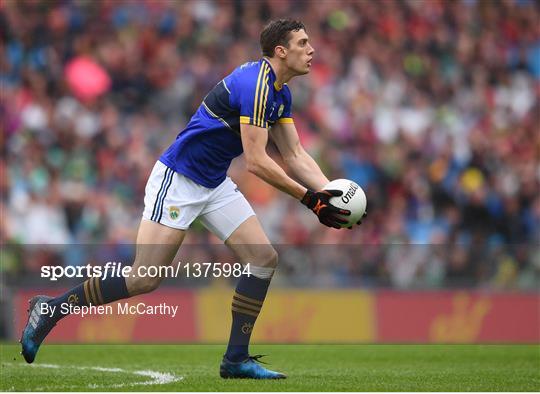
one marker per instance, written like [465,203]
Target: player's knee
[141,285]
[268,258]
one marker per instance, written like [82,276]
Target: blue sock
[246,305]
[94,291]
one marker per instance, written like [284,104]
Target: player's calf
[141,284]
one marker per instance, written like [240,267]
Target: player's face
[299,53]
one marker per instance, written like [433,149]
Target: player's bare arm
[254,140]
[300,163]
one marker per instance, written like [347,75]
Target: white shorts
[176,201]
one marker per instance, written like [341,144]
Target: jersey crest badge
[174,212]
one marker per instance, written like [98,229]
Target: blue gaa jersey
[203,151]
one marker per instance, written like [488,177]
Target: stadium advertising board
[313,316]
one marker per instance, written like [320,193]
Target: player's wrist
[309,199]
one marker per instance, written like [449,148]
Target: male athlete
[190,181]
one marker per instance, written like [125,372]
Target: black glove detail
[319,203]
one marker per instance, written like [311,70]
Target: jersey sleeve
[286,116]
[250,94]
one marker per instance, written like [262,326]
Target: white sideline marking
[155,377]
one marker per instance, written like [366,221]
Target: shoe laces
[257,358]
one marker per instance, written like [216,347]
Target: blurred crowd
[431,106]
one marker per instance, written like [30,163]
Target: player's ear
[280,52]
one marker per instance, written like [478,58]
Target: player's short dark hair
[276,33]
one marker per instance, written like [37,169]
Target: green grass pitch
[309,367]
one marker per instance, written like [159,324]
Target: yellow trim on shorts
[285,120]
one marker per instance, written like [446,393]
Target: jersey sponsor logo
[174,212]
[280,110]
[247,64]
[272,109]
